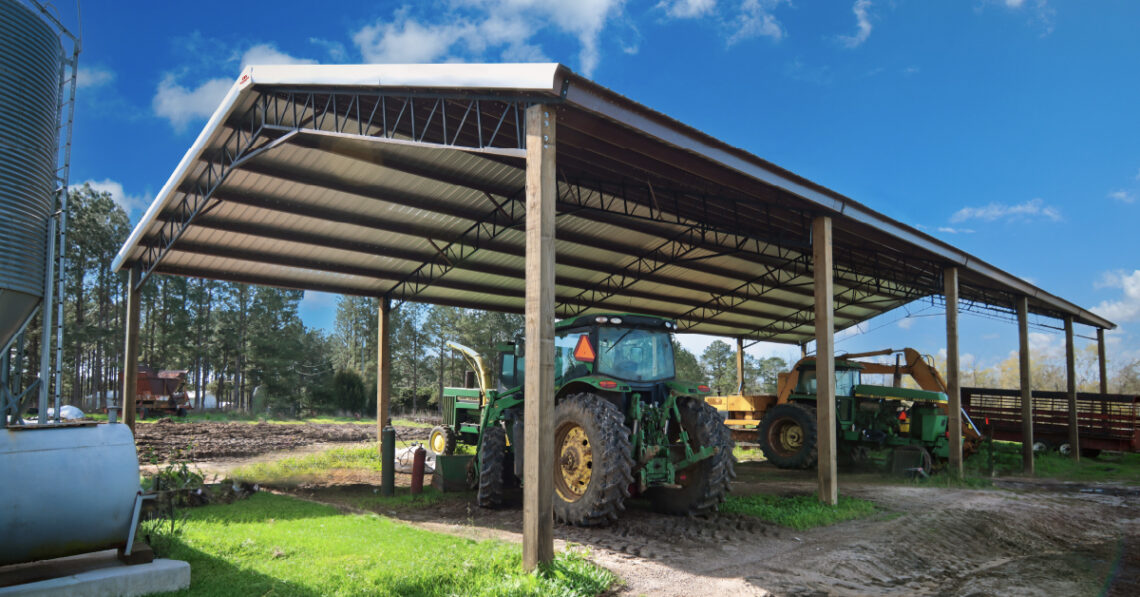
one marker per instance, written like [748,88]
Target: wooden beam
[824,272]
[131,348]
[1100,353]
[953,383]
[383,366]
[1071,386]
[538,437]
[740,365]
[1026,385]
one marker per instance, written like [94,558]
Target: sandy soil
[1027,537]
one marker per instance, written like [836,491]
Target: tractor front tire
[492,466]
[704,484]
[441,440]
[788,436]
[593,461]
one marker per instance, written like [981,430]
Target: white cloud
[91,77]
[687,9]
[335,49]
[907,322]
[1032,209]
[950,230]
[862,10]
[505,27]
[269,54]
[756,20]
[129,203]
[408,41]
[1127,308]
[1039,12]
[1122,196]
[911,70]
[1046,346]
[182,105]
[1138,175]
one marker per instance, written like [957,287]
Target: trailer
[1105,421]
[161,392]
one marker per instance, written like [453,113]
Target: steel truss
[484,122]
[278,116]
[696,225]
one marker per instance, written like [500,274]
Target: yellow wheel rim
[438,442]
[791,436]
[575,462]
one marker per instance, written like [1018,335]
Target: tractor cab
[611,352]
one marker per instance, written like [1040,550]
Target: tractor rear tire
[787,436]
[143,412]
[492,466]
[181,412]
[441,440]
[593,461]
[704,484]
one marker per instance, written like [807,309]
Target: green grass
[1108,467]
[1123,468]
[798,512]
[745,454]
[276,545]
[298,469]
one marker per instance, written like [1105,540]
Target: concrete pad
[95,574]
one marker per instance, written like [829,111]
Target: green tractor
[623,425]
[900,427]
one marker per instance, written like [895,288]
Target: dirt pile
[202,441]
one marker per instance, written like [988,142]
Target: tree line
[247,346]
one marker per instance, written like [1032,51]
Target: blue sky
[1006,127]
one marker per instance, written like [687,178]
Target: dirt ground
[215,441]
[1029,537]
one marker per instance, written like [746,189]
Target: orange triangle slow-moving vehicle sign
[583,351]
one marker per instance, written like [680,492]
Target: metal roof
[407,181]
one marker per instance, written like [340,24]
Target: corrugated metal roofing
[408,181]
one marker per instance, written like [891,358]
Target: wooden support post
[383,366]
[740,365]
[1100,353]
[1071,387]
[822,267]
[538,425]
[1026,385]
[953,384]
[131,348]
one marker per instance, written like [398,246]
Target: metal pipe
[45,335]
[388,461]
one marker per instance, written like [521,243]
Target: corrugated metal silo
[30,53]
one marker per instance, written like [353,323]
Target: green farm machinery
[907,429]
[624,426]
